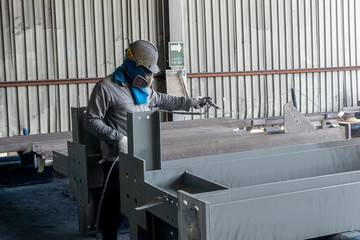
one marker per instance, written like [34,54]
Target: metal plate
[144,138]
[61,163]
[294,121]
[80,135]
[132,187]
[78,174]
[167,211]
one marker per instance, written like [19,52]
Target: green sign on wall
[176,54]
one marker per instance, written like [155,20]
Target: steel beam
[45,141]
[259,152]
[296,215]
[205,144]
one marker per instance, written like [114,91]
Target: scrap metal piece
[272,129]
[334,123]
[294,121]
[40,164]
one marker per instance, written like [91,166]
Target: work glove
[123,144]
[198,102]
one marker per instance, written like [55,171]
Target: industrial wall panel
[61,39]
[51,39]
[250,35]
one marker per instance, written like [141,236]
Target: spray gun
[208,101]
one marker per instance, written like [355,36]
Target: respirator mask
[143,81]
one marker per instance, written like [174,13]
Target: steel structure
[293,192]
[213,179]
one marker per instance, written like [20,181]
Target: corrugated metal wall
[247,35]
[57,39]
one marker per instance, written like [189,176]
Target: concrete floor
[41,211]
[48,211]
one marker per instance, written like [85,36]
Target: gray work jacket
[106,114]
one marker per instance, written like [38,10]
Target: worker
[126,90]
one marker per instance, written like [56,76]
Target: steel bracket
[294,121]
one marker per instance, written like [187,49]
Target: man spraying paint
[126,90]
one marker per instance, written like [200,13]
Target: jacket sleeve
[168,102]
[94,120]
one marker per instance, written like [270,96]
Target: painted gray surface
[282,187]
[143,138]
[299,215]
[260,152]
[265,169]
[299,193]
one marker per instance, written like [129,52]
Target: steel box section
[167,211]
[264,169]
[314,176]
[258,153]
[263,190]
[136,191]
[207,190]
[296,209]
[298,215]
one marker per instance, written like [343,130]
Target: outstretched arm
[169,102]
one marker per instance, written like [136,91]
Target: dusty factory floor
[41,211]
[48,211]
